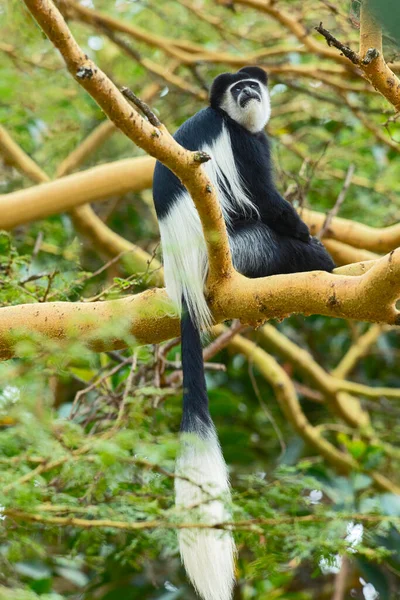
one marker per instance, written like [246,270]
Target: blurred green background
[316,136]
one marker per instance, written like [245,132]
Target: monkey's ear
[219,85]
[255,73]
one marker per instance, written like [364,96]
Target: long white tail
[207,554]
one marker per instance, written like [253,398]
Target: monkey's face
[243,96]
[247,102]
[247,91]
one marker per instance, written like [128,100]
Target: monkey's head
[243,96]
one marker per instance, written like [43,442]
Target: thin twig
[249,524]
[93,385]
[216,345]
[128,387]
[210,366]
[332,41]
[145,108]
[266,409]
[340,199]
[50,279]
[223,340]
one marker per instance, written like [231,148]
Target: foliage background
[101,468]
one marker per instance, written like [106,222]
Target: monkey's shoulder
[201,129]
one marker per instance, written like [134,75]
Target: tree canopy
[301,369]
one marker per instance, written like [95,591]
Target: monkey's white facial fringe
[207,554]
[255,115]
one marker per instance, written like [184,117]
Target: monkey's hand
[285,220]
[300,229]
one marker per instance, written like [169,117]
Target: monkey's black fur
[195,415]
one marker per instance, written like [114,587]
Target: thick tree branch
[66,193]
[154,140]
[344,254]
[369,297]
[147,316]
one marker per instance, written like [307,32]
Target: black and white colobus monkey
[266,237]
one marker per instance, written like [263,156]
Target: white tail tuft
[207,554]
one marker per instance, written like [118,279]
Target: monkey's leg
[258,251]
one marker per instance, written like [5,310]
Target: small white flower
[170,587]
[331,565]
[10,395]
[2,516]
[315,496]
[369,591]
[354,536]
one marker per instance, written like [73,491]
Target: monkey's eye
[254,86]
[237,88]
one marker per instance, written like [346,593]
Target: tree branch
[358,235]
[66,193]
[357,351]
[24,516]
[346,407]
[156,141]
[344,254]
[148,316]
[295,26]
[370,60]
[332,41]
[340,199]
[289,403]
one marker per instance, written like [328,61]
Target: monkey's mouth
[246,96]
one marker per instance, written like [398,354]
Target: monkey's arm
[253,158]
[279,214]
